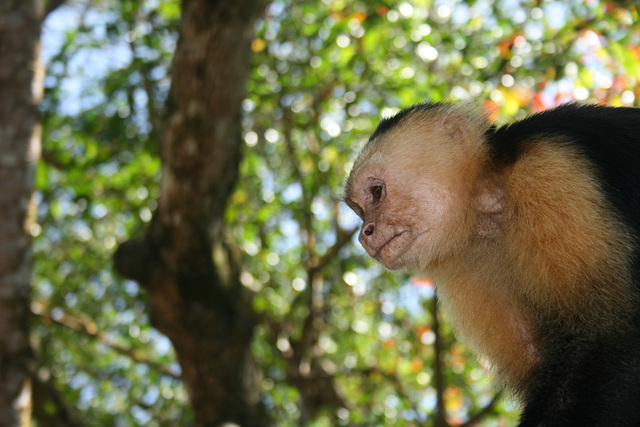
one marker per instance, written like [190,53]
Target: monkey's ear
[464,123]
[451,121]
[489,207]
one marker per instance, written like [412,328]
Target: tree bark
[21,88]
[49,406]
[195,301]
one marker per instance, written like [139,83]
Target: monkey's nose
[368,230]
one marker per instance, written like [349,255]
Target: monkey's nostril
[368,230]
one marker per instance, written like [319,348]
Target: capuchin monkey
[530,232]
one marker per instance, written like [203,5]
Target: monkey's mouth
[392,253]
[398,247]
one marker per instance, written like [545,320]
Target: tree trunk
[197,303]
[21,84]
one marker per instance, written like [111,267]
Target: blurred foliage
[323,74]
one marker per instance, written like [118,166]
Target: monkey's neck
[505,306]
[478,299]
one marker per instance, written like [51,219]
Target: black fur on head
[391,122]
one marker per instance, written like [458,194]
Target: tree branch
[398,387]
[53,5]
[135,260]
[49,406]
[438,372]
[90,329]
[343,237]
[475,419]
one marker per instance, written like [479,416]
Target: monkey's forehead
[404,138]
[373,153]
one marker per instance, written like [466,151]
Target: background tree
[21,73]
[133,153]
[197,303]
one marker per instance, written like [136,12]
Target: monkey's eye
[376,192]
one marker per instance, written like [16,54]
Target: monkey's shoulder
[595,144]
[595,129]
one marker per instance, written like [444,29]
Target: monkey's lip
[376,253]
[394,260]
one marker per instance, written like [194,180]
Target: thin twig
[90,329]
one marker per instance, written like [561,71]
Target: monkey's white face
[419,192]
[404,215]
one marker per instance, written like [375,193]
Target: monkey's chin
[390,264]
[397,263]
